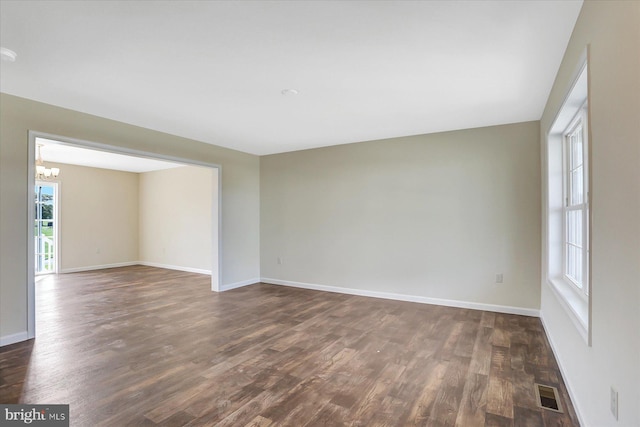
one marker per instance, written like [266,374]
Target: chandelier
[43,172]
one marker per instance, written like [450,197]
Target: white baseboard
[98,267]
[174,267]
[565,377]
[14,338]
[410,298]
[130,263]
[239,284]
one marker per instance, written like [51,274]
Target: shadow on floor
[13,370]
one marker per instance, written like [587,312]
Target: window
[566,228]
[45,227]
[576,216]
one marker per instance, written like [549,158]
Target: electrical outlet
[499,278]
[279,260]
[614,403]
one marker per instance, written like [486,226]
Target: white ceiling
[54,151]
[214,70]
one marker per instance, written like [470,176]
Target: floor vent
[548,398]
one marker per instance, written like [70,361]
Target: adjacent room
[321,213]
[115,210]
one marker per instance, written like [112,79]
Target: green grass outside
[47,231]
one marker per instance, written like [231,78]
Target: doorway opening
[212,233]
[45,228]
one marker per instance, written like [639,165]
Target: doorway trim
[216,262]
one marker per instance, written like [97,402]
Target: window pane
[577,186]
[576,147]
[576,180]
[578,229]
[574,227]
[574,264]
[574,252]
[571,229]
[578,274]
[47,228]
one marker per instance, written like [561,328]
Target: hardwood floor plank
[298,405]
[259,421]
[329,415]
[554,419]
[500,397]
[467,340]
[501,362]
[142,346]
[389,413]
[488,319]
[474,401]
[423,406]
[447,403]
[492,420]
[481,356]
[371,400]
[179,418]
[176,402]
[528,417]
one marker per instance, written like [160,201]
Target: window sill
[576,307]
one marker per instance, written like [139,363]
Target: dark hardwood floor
[141,346]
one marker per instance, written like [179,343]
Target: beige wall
[612,29]
[433,216]
[176,217]
[162,218]
[240,192]
[98,217]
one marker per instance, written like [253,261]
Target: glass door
[45,227]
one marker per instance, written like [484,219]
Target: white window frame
[580,120]
[575,301]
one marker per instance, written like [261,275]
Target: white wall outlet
[614,403]
[280,262]
[499,278]
[97,250]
